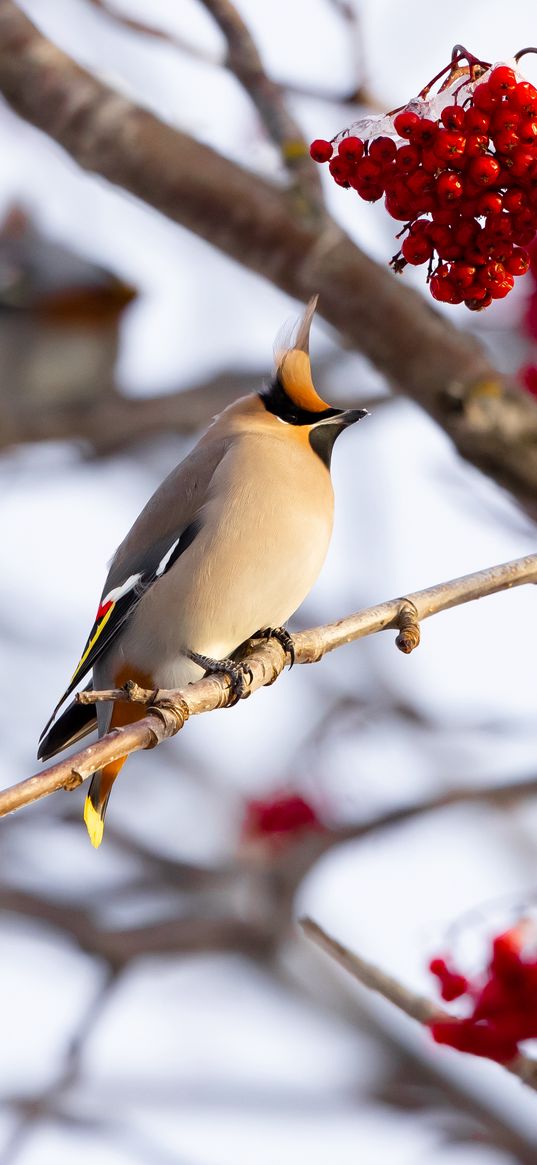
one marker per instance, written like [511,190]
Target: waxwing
[228,546]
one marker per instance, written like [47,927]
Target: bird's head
[292,397]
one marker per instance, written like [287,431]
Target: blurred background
[158,1004]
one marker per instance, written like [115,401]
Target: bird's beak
[344,418]
[350,416]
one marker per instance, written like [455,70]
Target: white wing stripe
[164,561]
[118,592]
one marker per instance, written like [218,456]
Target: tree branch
[492,424]
[171,709]
[417,1007]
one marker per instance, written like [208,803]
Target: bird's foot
[283,637]
[240,675]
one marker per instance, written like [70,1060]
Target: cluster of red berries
[464,183]
[288,814]
[504,1003]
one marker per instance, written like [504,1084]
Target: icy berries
[502,1002]
[459,170]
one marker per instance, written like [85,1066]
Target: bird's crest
[293,363]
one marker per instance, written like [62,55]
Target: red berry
[521,162]
[339,169]
[449,188]
[490,203]
[444,290]
[524,98]
[518,263]
[479,1040]
[478,304]
[430,162]
[484,98]
[382,150]
[449,146]
[476,120]
[286,814]
[527,131]
[417,249]
[504,117]
[523,235]
[397,206]
[368,171]
[370,191]
[484,171]
[321,150]
[408,159]
[404,123]
[502,80]
[351,149]
[506,140]
[466,233]
[476,144]
[499,226]
[453,117]
[514,200]
[424,133]
[462,275]
[499,282]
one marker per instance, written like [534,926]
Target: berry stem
[522,53]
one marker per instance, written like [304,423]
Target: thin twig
[417,1007]
[171,709]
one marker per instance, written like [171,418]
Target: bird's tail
[97,799]
[122,713]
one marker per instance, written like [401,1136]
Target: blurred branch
[244,61]
[416,1006]
[149,30]
[187,934]
[493,424]
[111,421]
[262,664]
[359,94]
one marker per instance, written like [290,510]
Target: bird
[226,549]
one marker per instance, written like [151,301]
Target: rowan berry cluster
[503,1003]
[287,814]
[461,172]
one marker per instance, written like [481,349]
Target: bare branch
[493,424]
[263,663]
[416,1006]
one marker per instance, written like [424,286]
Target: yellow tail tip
[94,823]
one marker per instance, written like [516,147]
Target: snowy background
[211,1059]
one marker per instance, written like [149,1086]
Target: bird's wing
[166,527]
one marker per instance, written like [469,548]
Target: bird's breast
[264,533]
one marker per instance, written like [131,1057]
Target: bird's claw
[240,674]
[283,637]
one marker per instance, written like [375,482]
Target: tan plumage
[230,544]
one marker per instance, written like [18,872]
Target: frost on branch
[459,169]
